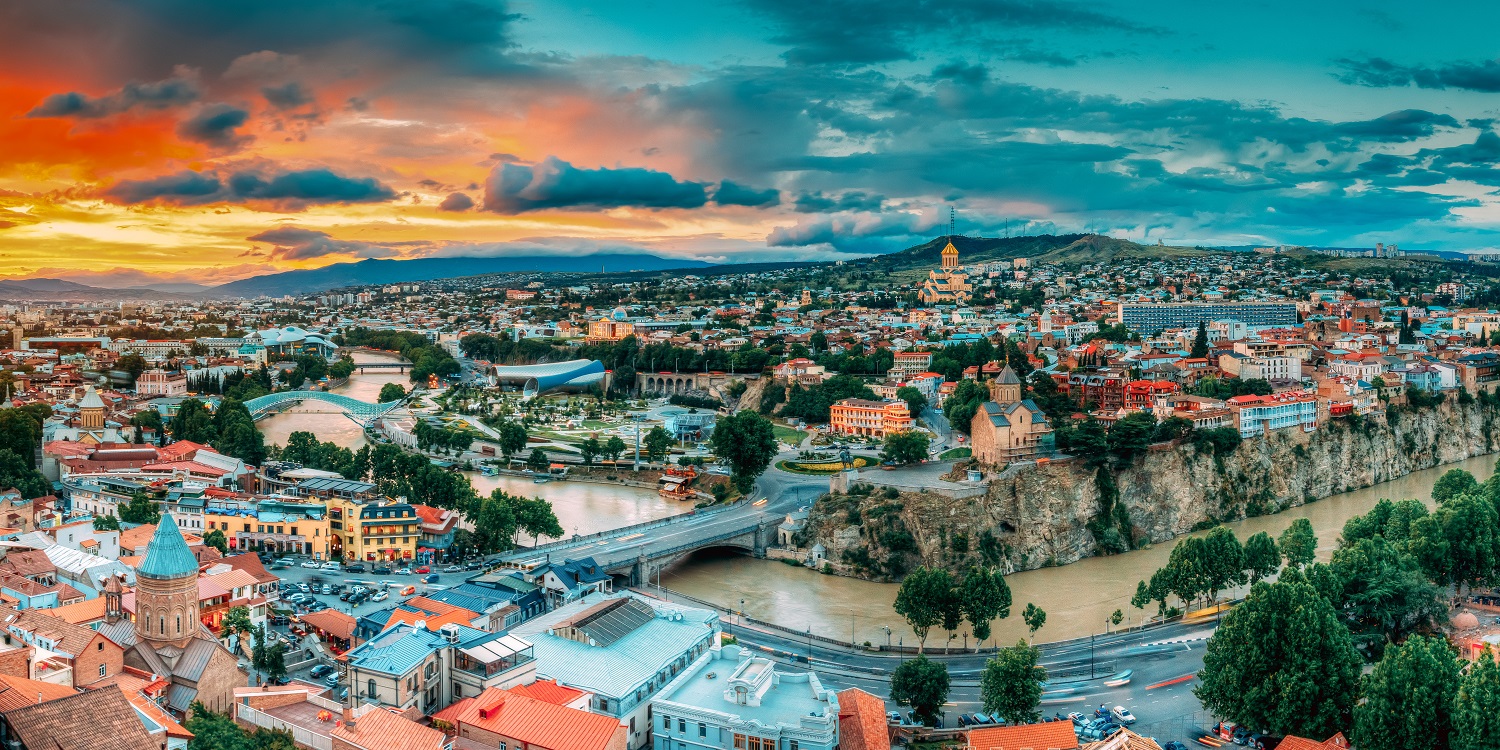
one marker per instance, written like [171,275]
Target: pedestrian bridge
[363,412]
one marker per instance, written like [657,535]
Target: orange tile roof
[332,622]
[1293,742]
[180,450]
[536,723]
[862,723]
[548,691]
[16,692]
[79,613]
[380,729]
[1048,735]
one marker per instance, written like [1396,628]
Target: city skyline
[206,144]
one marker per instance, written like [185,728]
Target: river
[1078,598]
[581,507]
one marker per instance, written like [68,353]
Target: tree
[590,449]
[922,684]
[535,517]
[906,447]
[1262,558]
[512,438]
[106,523]
[140,510]
[538,460]
[1381,589]
[20,432]
[1298,544]
[914,399]
[1453,483]
[1223,561]
[1476,706]
[1282,662]
[983,598]
[18,472]
[1131,435]
[1035,617]
[391,392]
[193,422]
[215,538]
[494,522]
[926,594]
[1457,544]
[1142,596]
[747,442]
[1200,343]
[1116,617]
[961,405]
[658,443]
[275,667]
[147,419]
[613,447]
[236,620]
[132,365]
[1011,686]
[1409,698]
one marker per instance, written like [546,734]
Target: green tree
[984,597]
[906,447]
[1409,698]
[538,460]
[747,442]
[1452,484]
[20,432]
[614,446]
[961,405]
[132,365]
[1131,435]
[19,473]
[215,538]
[1380,588]
[1457,543]
[391,392]
[1035,617]
[147,419]
[1476,706]
[922,684]
[236,620]
[512,438]
[925,596]
[140,510]
[1298,544]
[494,523]
[1262,558]
[1200,343]
[1282,662]
[193,422]
[1011,686]
[535,517]
[658,443]
[1223,561]
[590,450]
[106,523]
[1142,596]
[914,399]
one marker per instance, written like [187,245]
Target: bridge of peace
[362,412]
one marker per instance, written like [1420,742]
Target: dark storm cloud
[296,243]
[1380,72]
[735,194]
[176,91]
[286,190]
[854,200]
[456,202]
[554,183]
[215,125]
[290,95]
[860,32]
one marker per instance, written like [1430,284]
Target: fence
[301,735]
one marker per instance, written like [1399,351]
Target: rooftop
[731,681]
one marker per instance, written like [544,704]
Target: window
[101,646]
[682,726]
[371,693]
[179,624]
[103,669]
[666,723]
[294,531]
[791,745]
[247,528]
[161,624]
[702,729]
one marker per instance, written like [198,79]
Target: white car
[311,564]
[403,571]
[1122,715]
[329,566]
[381,596]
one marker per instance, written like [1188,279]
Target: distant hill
[46,285]
[34,290]
[375,271]
[1046,248]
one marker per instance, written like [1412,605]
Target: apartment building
[858,416]
[1259,415]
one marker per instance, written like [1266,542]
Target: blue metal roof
[401,647]
[168,556]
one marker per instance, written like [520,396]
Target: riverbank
[1078,598]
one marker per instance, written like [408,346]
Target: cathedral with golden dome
[948,284]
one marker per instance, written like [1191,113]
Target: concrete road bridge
[362,412]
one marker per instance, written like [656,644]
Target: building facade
[1151,317]
[858,416]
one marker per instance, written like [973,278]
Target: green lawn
[953,453]
[788,435]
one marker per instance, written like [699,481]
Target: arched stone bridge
[363,412]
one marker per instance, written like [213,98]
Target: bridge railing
[571,541]
[689,547]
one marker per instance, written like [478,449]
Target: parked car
[277,620]
[317,606]
[332,680]
[311,564]
[452,569]
[1122,715]
[330,565]
[326,590]
[381,570]
[355,568]
[319,670]
[424,570]
[346,596]
[380,596]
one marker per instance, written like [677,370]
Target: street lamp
[742,612]
[887,630]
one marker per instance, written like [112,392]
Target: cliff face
[1041,515]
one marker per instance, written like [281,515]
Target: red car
[424,570]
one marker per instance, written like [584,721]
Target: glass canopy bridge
[362,412]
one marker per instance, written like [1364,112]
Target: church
[948,285]
[1007,427]
[166,638]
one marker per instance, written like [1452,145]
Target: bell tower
[166,589]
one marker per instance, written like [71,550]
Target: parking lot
[355,593]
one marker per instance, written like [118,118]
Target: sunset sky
[209,141]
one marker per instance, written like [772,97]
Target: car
[311,564]
[433,578]
[287,561]
[472,566]
[277,620]
[331,680]
[304,588]
[381,570]
[452,569]
[319,670]
[380,597]
[326,590]
[317,606]
[424,570]
[346,596]
[355,568]
[1122,715]
[1241,735]
[330,565]
[1077,718]
[403,571]
[893,717]
[344,695]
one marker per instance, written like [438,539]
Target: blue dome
[168,556]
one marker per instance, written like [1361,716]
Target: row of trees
[439,438]
[230,430]
[1010,686]
[20,436]
[426,358]
[1217,562]
[933,597]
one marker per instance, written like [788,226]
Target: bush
[694,401]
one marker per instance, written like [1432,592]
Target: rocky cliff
[1058,513]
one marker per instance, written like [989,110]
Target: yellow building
[278,526]
[609,330]
[948,284]
[373,532]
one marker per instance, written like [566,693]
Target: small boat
[540,478]
[1116,680]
